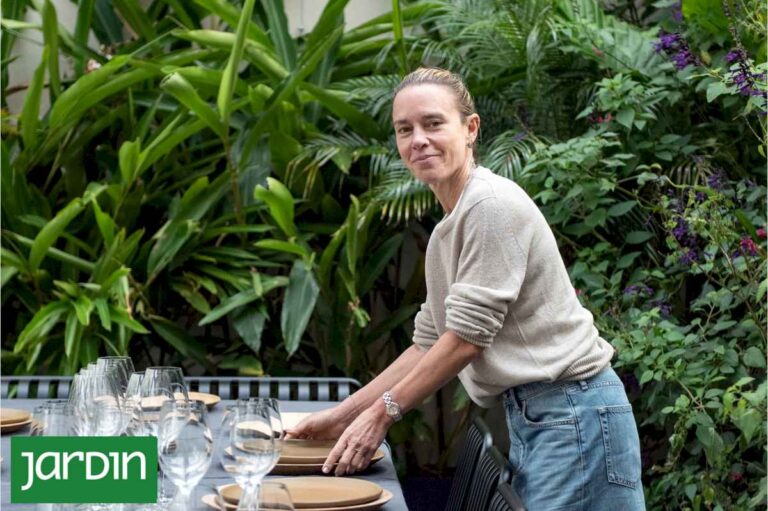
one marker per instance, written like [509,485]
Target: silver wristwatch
[393,409]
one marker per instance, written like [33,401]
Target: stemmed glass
[123,367]
[95,403]
[276,420]
[160,384]
[185,446]
[252,445]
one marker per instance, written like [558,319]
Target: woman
[502,315]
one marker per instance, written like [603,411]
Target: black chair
[228,387]
[35,387]
[491,469]
[505,499]
[478,436]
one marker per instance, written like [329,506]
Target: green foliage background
[209,191]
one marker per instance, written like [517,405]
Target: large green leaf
[280,203]
[229,304]
[231,15]
[30,111]
[377,262]
[182,90]
[299,302]
[51,39]
[82,91]
[174,234]
[82,28]
[229,77]
[397,25]
[279,33]
[40,324]
[336,103]
[136,17]
[53,229]
[180,340]
[249,324]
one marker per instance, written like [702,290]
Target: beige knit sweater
[495,277]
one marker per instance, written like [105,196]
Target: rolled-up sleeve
[490,273]
[424,333]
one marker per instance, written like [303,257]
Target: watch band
[392,408]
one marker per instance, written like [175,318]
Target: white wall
[302,16]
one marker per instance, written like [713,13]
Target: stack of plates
[304,457]
[155,402]
[12,419]
[315,494]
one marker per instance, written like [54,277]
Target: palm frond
[508,153]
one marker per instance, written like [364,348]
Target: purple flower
[519,136]
[631,289]
[677,12]
[741,73]
[676,48]
[716,181]
[748,246]
[681,230]
[733,56]
[689,256]
[701,197]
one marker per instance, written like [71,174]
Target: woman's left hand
[359,442]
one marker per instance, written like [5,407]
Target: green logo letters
[68,469]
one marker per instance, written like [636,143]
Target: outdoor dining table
[382,473]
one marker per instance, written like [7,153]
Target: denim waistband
[525,391]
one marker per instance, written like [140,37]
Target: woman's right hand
[325,425]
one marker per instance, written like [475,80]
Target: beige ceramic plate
[306,451]
[14,426]
[155,402]
[292,419]
[318,492]
[295,469]
[210,400]
[214,502]
[13,415]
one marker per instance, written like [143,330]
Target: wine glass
[123,367]
[160,384]
[276,420]
[95,404]
[252,444]
[185,446]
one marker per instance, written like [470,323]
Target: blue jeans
[574,445]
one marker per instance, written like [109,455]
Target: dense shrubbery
[132,219]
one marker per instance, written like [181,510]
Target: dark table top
[382,473]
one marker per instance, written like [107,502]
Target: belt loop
[516,399]
[584,385]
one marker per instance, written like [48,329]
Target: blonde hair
[437,76]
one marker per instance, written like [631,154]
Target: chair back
[505,499]
[227,387]
[290,388]
[478,435]
[35,387]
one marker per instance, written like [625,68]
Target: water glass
[185,446]
[52,418]
[252,443]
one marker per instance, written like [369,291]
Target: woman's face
[431,137]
